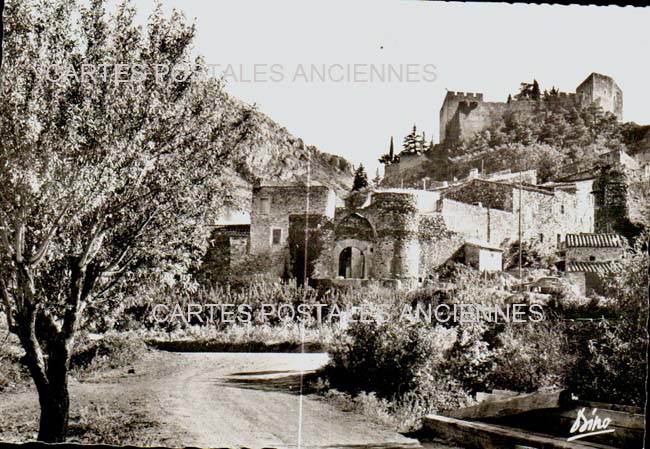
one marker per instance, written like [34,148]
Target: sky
[488,48]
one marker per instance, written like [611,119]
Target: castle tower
[603,91]
[450,105]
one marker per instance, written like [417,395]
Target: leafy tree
[535,92]
[104,183]
[414,143]
[360,179]
[377,179]
[529,91]
[2,8]
[390,157]
[551,94]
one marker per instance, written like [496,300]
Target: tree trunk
[55,407]
[48,347]
[53,396]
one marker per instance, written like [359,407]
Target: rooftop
[594,241]
[472,241]
[593,267]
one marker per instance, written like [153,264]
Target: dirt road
[254,400]
[226,400]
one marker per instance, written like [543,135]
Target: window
[561,208]
[265,205]
[592,258]
[541,238]
[559,239]
[276,236]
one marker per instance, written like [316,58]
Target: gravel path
[253,400]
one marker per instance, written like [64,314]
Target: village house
[400,234]
[590,258]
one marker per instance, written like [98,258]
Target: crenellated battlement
[468,96]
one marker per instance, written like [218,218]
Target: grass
[100,411]
[402,415]
[287,337]
[98,414]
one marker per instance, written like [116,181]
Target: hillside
[270,153]
[553,137]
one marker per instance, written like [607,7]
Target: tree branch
[40,253]
[20,241]
[7,306]
[4,235]
[92,241]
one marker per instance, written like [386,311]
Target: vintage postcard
[290,224]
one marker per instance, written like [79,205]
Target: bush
[110,352]
[384,358]
[610,364]
[530,357]
[12,372]
[419,366]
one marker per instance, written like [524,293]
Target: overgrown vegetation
[594,347]
[558,133]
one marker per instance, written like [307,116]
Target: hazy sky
[474,47]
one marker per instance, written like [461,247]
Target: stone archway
[352,259]
[352,263]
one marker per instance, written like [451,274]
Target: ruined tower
[603,91]
[450,106]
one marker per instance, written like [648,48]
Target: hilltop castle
[463,114]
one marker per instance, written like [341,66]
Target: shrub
[610,363]
[109,352]
[530,357]
[382,357]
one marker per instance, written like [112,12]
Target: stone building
[482,255]
[401,234]
[272,207]
[590,257]
[463,114]
[548,211]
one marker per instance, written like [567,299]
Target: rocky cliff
[269,153]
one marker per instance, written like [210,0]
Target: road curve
[253,400]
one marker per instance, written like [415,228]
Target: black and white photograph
[324,225]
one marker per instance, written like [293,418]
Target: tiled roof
[233,228]
[593,267]
[482,244]
[594,241]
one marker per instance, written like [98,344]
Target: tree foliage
[360,179]
[390,157]
[555,135]
[104,182]
[414,143]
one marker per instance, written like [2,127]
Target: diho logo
[589,424]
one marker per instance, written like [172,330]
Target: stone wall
[548,217]
[611,201]
[306,230]
[603,91]
[437,243]
[483,259]
[473,117]
[490,211]
[385,231]
[489,194]
[270,211]
[584,254]
[396,248]
[450,105]
[228,247]
[491,225]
